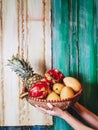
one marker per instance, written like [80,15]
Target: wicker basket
[63,104]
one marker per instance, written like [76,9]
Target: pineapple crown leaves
[20,66]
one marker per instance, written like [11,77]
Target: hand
[53,111]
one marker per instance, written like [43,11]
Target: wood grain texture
[96,37]
[74,44]
[60,32]
[87,55]
[61,45]
[75,47]
[74,51]
[24,29]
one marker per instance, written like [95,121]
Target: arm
[55,111]
[76,124]
[87,115]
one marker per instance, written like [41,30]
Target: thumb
[50,105]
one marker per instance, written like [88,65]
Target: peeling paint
[2,68]
[29,36]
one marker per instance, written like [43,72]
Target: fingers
[50,106]
[50,111]
[41,108]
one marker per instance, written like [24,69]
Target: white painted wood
[1,78]
[48,34]
[25,30]
[9,47]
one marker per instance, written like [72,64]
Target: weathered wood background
[68,41]
[25,29]
[75,38]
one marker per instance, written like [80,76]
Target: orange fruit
[57,87]
[66,92]
[73,83]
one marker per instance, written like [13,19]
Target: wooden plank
[40,23]
[82,54]
[61,45]
[1,71]
[37,43]
[24,31]
[9,47]
[47,33]
[61,36]
[87,65]
[96,42]
[74,47]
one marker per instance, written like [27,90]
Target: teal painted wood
[87,55]
[61,42]
[96,47]
[75,47]
[61,23]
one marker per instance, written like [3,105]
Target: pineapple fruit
[24,70]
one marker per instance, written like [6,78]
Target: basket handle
[87,115]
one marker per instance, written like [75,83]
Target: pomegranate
[40,89]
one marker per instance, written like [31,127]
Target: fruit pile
[52,86]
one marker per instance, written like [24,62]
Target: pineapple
[24,70]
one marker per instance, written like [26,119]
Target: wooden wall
[74,43]
[75,38]
[25,28]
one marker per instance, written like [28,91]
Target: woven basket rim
[56,101]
